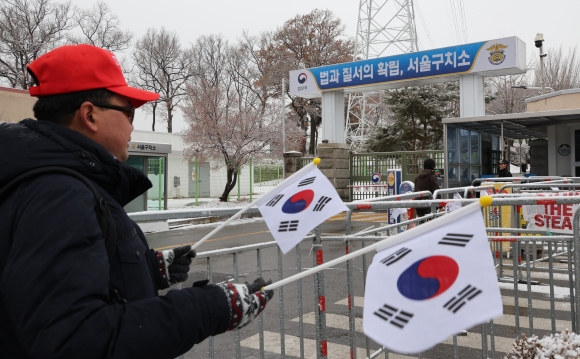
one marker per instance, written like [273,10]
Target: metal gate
[364,165]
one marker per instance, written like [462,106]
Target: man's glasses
[127,110]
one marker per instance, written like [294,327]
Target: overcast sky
[484,20]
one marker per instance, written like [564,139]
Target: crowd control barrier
[321,315]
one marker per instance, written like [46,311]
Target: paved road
[285,316]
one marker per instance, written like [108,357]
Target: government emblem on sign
[496,54]
[564,150]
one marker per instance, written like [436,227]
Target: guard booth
[151,159]
[470,152]
[473,145]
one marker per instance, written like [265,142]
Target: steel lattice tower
[385,27]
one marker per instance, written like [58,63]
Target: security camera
[539,40]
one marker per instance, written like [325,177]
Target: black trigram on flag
[274,200]
[288,226]
[307,181]
[321,203]
[455,239]
[455,303]
[398,318]
[396,256]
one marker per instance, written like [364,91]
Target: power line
[455,24]
[450,22]
[464,21]
[424,25]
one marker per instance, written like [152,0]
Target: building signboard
[487,58]
[149,147]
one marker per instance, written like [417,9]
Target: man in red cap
[77,278]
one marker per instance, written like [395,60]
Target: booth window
[155,173]
[452,145]
[464,146]
[464,156]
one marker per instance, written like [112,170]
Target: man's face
[115,129]
[502,166]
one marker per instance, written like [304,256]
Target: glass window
[452,146]
[495,143]
[474,142]
[136,162]
[475,172]
[465,178]
[156,174]
[463,146]
[453,176]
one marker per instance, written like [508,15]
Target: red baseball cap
[73,68]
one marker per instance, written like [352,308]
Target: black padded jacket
[54,272]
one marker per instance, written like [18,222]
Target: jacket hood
[31,144]
[425,173]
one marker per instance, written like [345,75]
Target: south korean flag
[433,285]
[300,205]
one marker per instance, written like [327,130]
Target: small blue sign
[376,178]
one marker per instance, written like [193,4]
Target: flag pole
[281,186]
[389,242]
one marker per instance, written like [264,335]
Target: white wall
[557,136]
[178,166]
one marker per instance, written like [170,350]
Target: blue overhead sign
[491,58]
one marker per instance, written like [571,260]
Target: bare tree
[162,66]
[562,71]
[28,29]
[504,94]
[266,66]
[310,40]
[225,117]
[100,27]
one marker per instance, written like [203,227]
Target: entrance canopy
[517,125]
[468,63]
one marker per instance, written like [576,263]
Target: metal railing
[305,323]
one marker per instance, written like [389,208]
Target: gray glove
[246,301]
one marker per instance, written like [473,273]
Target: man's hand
[246,301]
[174,263]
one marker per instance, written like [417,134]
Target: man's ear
[87,117]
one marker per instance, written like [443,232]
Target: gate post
[291,163]
[334,163]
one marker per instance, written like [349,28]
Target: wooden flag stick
[389,242]
[258,202]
